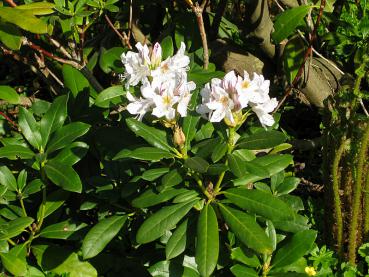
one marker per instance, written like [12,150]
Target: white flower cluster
[224,99]
[165,91]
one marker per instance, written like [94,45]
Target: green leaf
[150,198]
[54,118]
[145,154]
[22,180]
[65,135]
[110,60]
[23,19]
[245,256]
[237,165]
[101,234]
[72,153]
[216,169]
[63,176]
[207,242]
[167,47]
[197,164]
[61,230]
[293,57]
[11,37]
[110,97]
[287,22]
[13,264]
[170,179]
[260,203]
[189,129]
[176,244]
[37,8]
[288,185]
[163,220]
[219,151]
[246,229]
[13,152]
[8,93]
[53,202]
[153,136]
[243,271]
[15,227]
[29,127]
[7,178]
[297,246]
[153,174]
[74,80]
[261,140]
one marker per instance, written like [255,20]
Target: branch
[11,3]
[123,37]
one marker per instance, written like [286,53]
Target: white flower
[260,89]
[139,106]
[262,111]
[164,100]
[184,91]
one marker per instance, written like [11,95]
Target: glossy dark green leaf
[219,151]
[260,203]
[153,136]
[167,47]
[236,165]
[186,196]
[29,127]
[287,22]
[170,179]
[207,241]
[261,140]
[153,174]
[101,234]
[297,224]
[13,152]
[14,227]
[293,57]
[144,153]
[288,185]
[23,19]
[110,59]
[165,219]
[216,169]
[257,169]
[246,229]
[66,135]
[72,153]
[63,176]
[297,246]
[243,271]
[54,118]
[14,264]
[7,178]
[150,197]
[74,80]
[7,93]
[11,37]
[176,245]
[22,180]
[245,256]
[111,96]
[61,230]
[189,129]
[53,202]
[197,164]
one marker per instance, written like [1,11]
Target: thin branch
[130,20]
[363,107]
[123,37]
[306,56]
[8,119]
[11,3]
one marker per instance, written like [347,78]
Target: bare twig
[306,56]
[123,37]
[8,119]
[130,20]
[11,3]
[363,107]
[198,10]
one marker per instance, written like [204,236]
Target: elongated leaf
[100,235]
[53,202]
[37,8]
[74,80]
[15,227]
[237,165]
[297,246]
[63,176]
[243,271]
[12,38]
[153,174]
[287,22]
[153,136]
[13,152]
[177,242]
[293,57]
[61,230]
[53,118]
[71,154]
[110,97]
[165,219]
[167,47]
[246,229]
[23,19]
[219,151]
[8,93]
[170,179]
[150,198]
[260,203]
[29,127]
[14,264]
[66,135]
[198,164]
[7,178]
[262,140]
[144,153]
[189,128]
[207,246]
